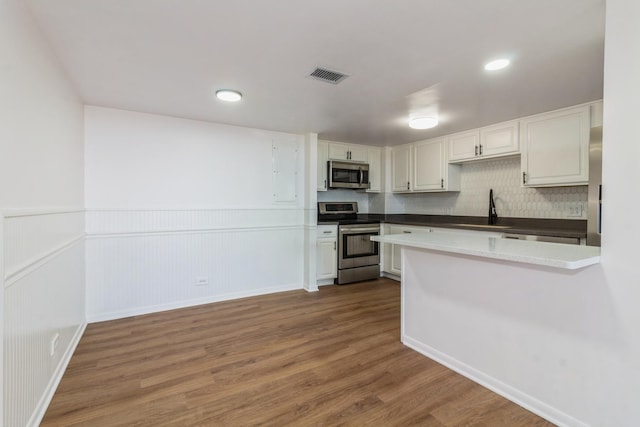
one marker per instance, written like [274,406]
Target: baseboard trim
[528,402]
[45,400]
[103,317]
[390,276]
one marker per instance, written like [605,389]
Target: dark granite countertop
[532,226]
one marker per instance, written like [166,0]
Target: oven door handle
[359,230]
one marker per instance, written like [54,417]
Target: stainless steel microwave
[348,174]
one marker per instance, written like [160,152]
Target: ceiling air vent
[328,76]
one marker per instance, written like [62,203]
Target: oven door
[355,248]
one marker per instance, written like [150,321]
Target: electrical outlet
[575,211]
[202,281]
[54,344]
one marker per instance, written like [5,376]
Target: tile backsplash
[512,200]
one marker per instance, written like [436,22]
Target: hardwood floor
[332,357]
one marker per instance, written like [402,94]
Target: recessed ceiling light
[498,64]
[423,122]
[229,95]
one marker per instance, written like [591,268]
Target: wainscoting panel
[167,220]
[31,236]
[146,261]
[44,308]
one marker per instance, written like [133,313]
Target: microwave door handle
[360,175]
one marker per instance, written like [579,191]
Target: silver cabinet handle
[407,185]
[406,232]
[325,184]
[476,150]
[334,246]
[327,232]
[442,183]
[524,177]
[481,149]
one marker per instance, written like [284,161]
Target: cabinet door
[374,156]
[358,153]
[323,157]
[428,165]
[500,139]
[394,264]
[464,145]
[401,168]
[396,259]
[555,148]
[327,262]
[338,151]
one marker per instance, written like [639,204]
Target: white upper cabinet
[340,151]
[428,165]
[555,148]
[501,139]
[374,158]
[431,170]
[464,145]
[497,140]
[423,167]
[401,168]
[323,157]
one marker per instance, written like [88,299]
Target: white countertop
[541,253]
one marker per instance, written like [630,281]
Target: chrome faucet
[493,216]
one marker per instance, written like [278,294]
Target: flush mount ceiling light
[498,64]
[229,95]
[423,122]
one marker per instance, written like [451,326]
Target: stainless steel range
[358,256]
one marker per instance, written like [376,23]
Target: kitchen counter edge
[563,256]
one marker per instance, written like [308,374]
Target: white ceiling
[168,57]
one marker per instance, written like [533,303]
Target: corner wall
[174,204]
[42,218]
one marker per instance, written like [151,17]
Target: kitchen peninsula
[539,253]
[473,302]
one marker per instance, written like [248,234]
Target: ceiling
[405,56]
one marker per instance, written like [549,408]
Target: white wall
[171,200]
[41,202]
[566,344]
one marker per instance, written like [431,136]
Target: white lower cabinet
[392,259]
[392,254]
[326,254]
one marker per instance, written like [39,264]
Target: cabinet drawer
[327,231]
